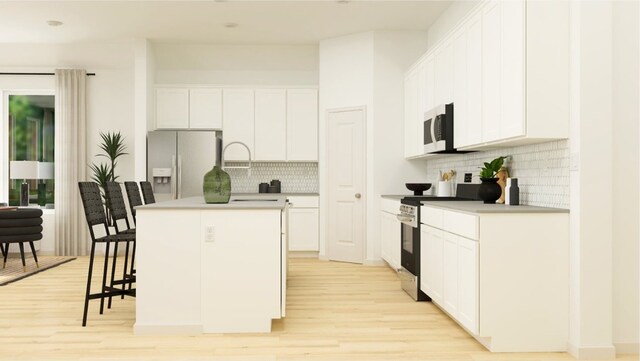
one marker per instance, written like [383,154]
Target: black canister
[276,185]
[263,188]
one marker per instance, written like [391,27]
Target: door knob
[358,195]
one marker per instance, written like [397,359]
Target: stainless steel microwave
[438,129]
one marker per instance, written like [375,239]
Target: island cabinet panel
[240,275]
[210,268]
[238,125]
[164,262]
[271,125]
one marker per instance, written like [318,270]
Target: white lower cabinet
[431,263]
[390,234]
[304,230]
[467,282]
[493,292]
[390,226]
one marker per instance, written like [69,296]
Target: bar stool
[20,226]
[133,195]
[147,193]
[95,215]
[118,210]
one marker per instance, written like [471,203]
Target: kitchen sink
[254,200]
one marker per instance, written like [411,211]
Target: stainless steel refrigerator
[178,160]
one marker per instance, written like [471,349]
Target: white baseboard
[153,330]
[627,348]
[592,353]
[303,254]
[374,262]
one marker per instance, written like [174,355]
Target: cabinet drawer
[390,205]
[462,224]
[431,216]
[304,201]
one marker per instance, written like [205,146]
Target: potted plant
[489,191]
[113,147]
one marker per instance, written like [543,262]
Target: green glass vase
[217,186]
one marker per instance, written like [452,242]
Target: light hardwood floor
[335,311]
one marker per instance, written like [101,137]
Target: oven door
[410,238]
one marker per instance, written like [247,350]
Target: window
[31,128]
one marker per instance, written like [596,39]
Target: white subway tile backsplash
[542,170]
[295,177]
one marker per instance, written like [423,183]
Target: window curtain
[70,161]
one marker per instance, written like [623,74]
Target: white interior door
[346,165]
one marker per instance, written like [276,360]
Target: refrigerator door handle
[173,177]
[179,177]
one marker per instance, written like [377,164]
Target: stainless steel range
[409,216]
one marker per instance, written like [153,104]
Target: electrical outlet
[209,234]
[467,177]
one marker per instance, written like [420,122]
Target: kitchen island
[210,268]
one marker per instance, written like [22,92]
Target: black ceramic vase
[489,191]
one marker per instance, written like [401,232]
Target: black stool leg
[104,277]
[124,270]
[133,263]
[33,251]
[2,249]
[5,250]
[86,296]
[24,265]
[113,270]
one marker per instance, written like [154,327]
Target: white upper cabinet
[506,69]
[238,125]
[302,125]
[411,114]
[270,124]
[205,108]
[491,65]
[512,69]
[474,82]
[460,88]
[184,108]
[172,108]
[443,87]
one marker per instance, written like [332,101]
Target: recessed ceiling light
[342,1]
[231,25]
[54,23]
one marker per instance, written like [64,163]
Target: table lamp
[23,169]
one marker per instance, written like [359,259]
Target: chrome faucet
[248,168]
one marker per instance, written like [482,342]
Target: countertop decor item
[263,188]
[418,188]
[503,175]
[217,186]
[489,190]
[513,192]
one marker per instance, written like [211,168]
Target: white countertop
[252,201]
[479,207]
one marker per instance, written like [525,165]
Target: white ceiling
[259,22]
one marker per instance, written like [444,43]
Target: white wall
[110,95]
[345,80]
[626,95]
[394,52]
[367,69]
[236,64]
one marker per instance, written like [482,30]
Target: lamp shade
[45,170]
[23,169]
